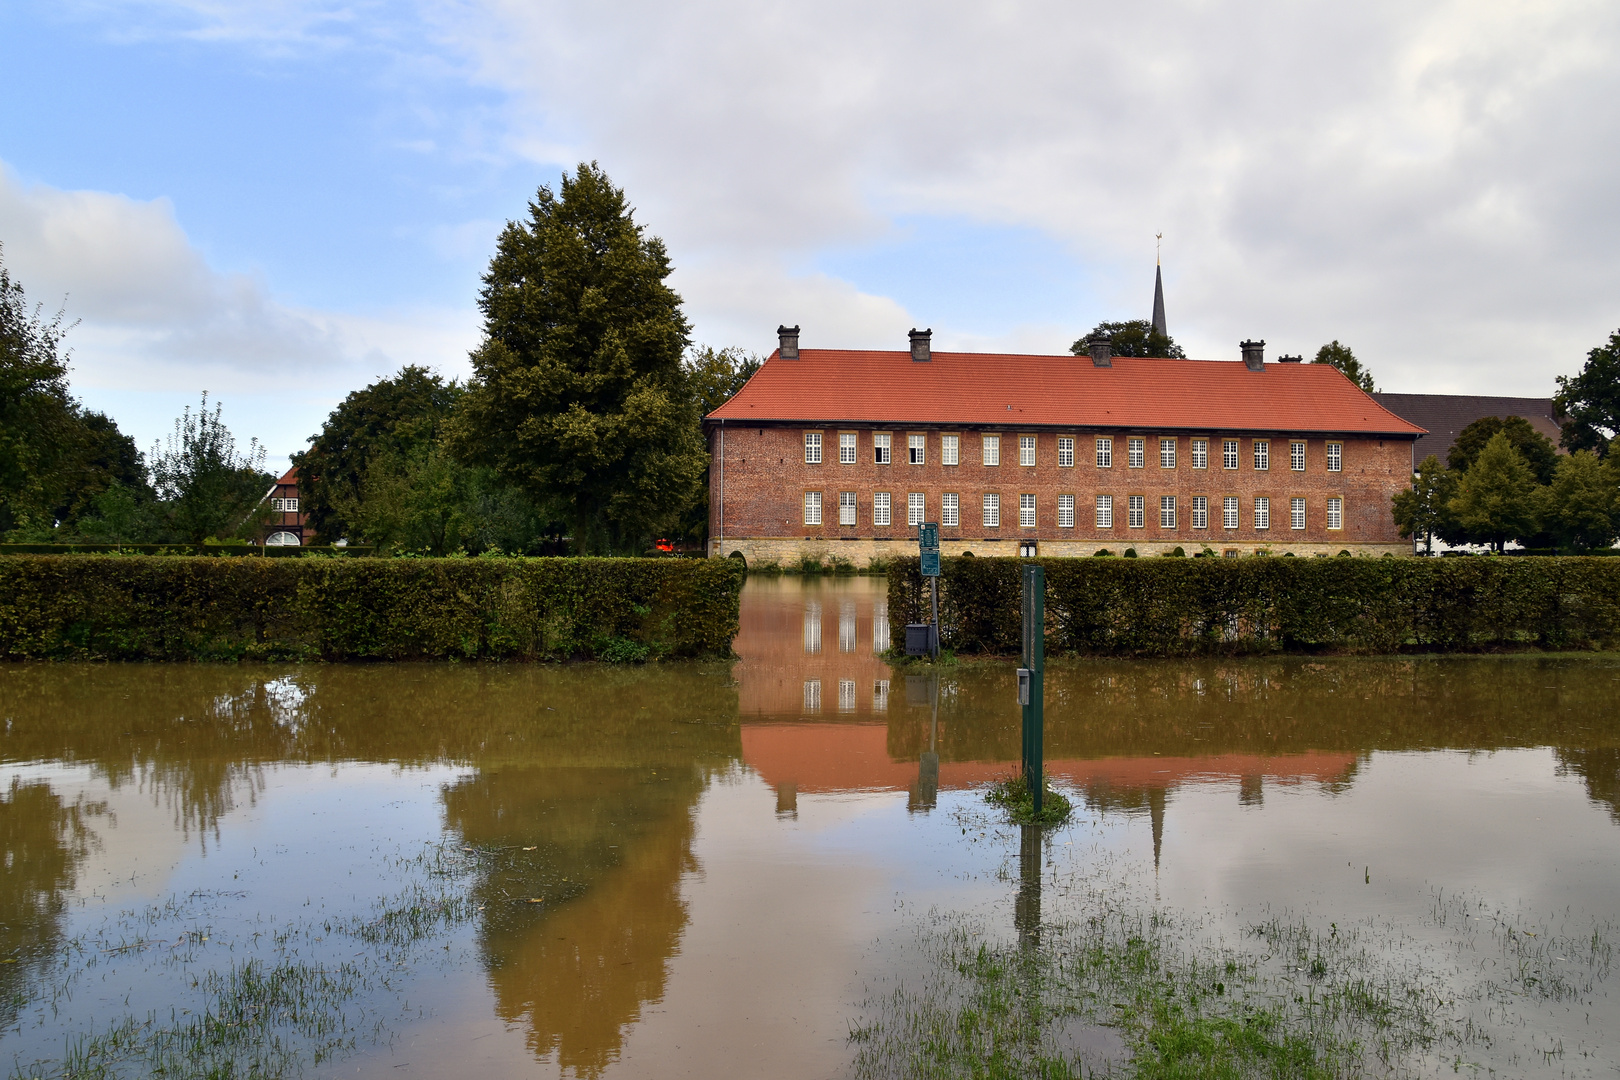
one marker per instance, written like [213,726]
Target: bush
[1174,607]
[81,607]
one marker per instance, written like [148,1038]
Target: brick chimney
[1102,350]
[1254,354]
[921,345]
[787,341]
[1286,359]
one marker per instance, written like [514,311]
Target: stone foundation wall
[788,550]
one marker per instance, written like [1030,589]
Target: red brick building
[287,525]
[842,453]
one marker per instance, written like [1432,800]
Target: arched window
[282,539]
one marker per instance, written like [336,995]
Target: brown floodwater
[710,869]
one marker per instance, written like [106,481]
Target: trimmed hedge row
[1172,607]
[179,608]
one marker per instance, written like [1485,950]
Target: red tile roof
[831,386]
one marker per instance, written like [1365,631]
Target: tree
[36,411]
[1134,337]
[1496,498]
[1591,400]
[208,489]
[1536,449]
[716,375]
[423,500]
[579,393]
[1342,358]
[392,416]
[1421,509]
[1581,508]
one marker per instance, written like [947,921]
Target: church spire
[1158,290]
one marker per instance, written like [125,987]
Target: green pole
[1032,692]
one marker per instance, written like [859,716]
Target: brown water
[708,870]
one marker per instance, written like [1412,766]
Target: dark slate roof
[1445,415]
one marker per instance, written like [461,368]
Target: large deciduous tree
[579,394]
[1341,357]
[1496,499]
[209,490]
[1536,449]
[1421,510]
[1590,401]
[1581,508]
[1134,337]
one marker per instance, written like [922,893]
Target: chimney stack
[1102,350]
[921,345]
[1254,354]
[1286,359]
[787,341]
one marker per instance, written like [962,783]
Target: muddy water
[708,870]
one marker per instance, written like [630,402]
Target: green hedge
[183,608]
[289,551]
[1170,607]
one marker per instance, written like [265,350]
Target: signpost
[1032,681]
[928,549]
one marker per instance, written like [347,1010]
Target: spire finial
[1158,239]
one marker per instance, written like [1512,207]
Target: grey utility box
[920,638]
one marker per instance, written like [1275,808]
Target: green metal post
[1033,694]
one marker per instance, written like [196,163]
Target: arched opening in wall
[282,539]
[739,557]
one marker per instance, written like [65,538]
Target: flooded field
[785,866]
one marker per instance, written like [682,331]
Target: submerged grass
[1013,795]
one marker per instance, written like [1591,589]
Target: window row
[1170,508]
[284,506]
[950,451]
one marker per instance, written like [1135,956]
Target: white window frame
[1296,455]
[992,511]
[812,448]
[916,508]
[1105,452]
[1026,450]
[1136,511]
[1262,512]
[1229,453]
[1167,511]
[1229,511]
[1262,455]
[846,508]
[1065,452]
[1296,512]
[812,695]
[812,508]
[917,449]
[284,506]
[882,447]
[1200,453]
[1200,511]
[950,511]
[846,695]
[991,448]
[847,448]
[1167,453]
[882,509]
[1335,457]
[1026,511]
[1065,511]
[950,448]
[1105,511]
[1136,453]
[1335,513]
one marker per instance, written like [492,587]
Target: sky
[280,201]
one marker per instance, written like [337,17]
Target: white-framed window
[1167,453]
[846,695]
[992,449]
[914,508]
[1026,449]
[950,448]
[1136,508]
[880,695]
[1229,512]
[1296,455]
[812,448]
[1105,511]
[1065,452]
[282,539]
[1028,549]
[1200,511]
[880,508]
[1335,456]
[950,511]
[284,506]
[1335,513]
[882,447]
[1026,511]
[1065,511]
[1105,453]
[1229,453]
[1296,513]
[916,449]
[992,511]
[1200,453]
[1262,512]
[846,448]
[846,508]
[812,508]
[1262,455]
[1136,452]
[1167,511]
[812,695]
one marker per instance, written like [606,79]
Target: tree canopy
[1536,449]
[1421,510]
[1134,337]
[209,490]
[1341,357]
[579,394]
[1496,498]
[1581,507]
[1591,400]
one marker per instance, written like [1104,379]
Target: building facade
[287,524]
[841,453]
